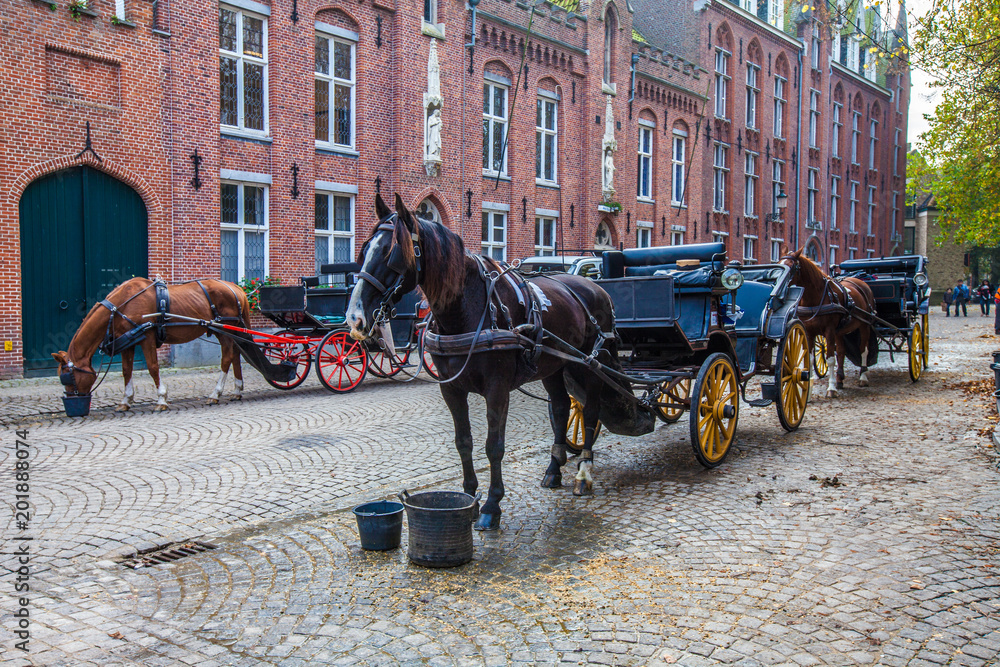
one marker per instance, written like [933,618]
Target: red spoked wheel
[294,351]
[341,362]
[382,364]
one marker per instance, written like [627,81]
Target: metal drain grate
[167,554]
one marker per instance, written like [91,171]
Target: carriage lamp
[732,279]
[920,279]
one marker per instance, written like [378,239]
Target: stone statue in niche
[433,122]
[609,171]
[609,145]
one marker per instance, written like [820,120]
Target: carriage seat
[647,261]
[697,277]
[752,298]
[908,264]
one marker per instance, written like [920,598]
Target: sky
[922,97]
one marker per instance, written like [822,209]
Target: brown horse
[133,300]
[830,308]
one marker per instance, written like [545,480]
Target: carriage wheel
[575,432]
[715,409]
[383,365]
[916,353]
[791,377]
[297,353]
[820,353]
[680,393]
[341,362]
[927,337]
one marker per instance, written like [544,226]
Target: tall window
[677,160]
[721,82]
[853,53]
[779,106]
[871,209]
[777,183]
[676,238]
[334,222]
[645,168]
[610,27]
[749,249]
[854,207]
[545,140]
[720,171]
[895,153]
[545,236]
[775,251]
[753,92]
[813,119]
[811,196]
[494,128]
[243,222]
[776,13]
[834,200]
[872,143]
[833,256]
[750,191]
[814,46]
[430,11]
[643,236]
[835,44]
[495,234]
[335,85]
[242,70]
[837,125]
[855,136]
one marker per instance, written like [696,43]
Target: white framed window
[494,128]
[895,153]
[750,183]
[120,10]
[644,236]
[242,70]
[776,250]
[749,249]
[777,182]
[721,171]
[677,237]
[334,223]
[833,256]
[853,53]
[546,133]
[545,236]
[335,87]
[749,5]
[855,136]
[719,237]
[852,253]
[837,126]
[834,200]
[835,44]
[872,143]
[871,67]
[814,119]
[753,93]
[812,195]
[243,225]
[677,160]
[814,46]
[495,234]
[430,12]
[721,83]
[779,106]
[644,171]
[853,218]
[776,13]
[871,209]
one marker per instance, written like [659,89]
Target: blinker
[67,379]
[396,263]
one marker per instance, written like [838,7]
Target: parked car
[587,266]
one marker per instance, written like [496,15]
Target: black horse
[474,303]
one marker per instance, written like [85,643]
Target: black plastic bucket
[440,527]
[380,524]
[77,406]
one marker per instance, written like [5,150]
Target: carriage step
[760,402]
[768,392]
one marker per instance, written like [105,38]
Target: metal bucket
[380,525]
[77,406]
[440,527]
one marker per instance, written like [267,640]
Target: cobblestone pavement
[869,536]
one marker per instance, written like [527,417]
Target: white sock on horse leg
[161,393]
[239,388]
[219,386]
[583,474]
[831,363]
[129,393]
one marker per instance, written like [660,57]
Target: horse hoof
[552,482]
[123,408]
[830,393]
[160,407]
[840,384]
[583,488]
[862,383]
[237,398]
[488,522]
[212,401]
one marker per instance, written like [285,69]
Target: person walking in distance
[985,295]
[960,295]
[949,296]
[996,318]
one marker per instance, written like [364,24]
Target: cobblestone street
[869,536]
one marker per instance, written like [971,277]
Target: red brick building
[249,139]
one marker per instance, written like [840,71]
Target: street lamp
[781,201]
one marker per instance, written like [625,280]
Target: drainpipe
[798,161]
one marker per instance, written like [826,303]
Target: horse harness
[831,307]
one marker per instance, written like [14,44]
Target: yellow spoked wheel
[916,355]
[927,337]
[792,377]
[575,434]
[679,393]
[715,409]
[819,356]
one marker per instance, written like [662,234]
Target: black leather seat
[752,299]
[647,261]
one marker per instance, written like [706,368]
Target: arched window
[428,211]
[610,28]
[604,238]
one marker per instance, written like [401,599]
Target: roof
[568,5]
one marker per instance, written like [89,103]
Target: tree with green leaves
[958,43]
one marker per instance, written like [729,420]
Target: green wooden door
[82,233]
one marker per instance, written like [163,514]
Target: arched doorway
[604,236]
[82,233]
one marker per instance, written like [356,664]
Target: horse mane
[444,260]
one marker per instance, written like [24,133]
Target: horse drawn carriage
[695,330]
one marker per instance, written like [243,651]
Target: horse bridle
[394,263]
[68,379]
[828,284]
